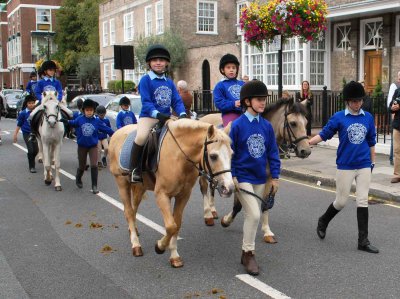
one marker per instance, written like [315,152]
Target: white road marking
[262,287]
[4,132]
[114,202]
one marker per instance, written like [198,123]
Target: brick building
[208,28]
[27,30]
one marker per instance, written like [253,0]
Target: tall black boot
[363,242]
[94,173]
[78,181]
[136,161]
[31,161]
[324,220]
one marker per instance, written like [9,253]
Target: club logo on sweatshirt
[163,96]
[234,90]
[49,88]
[87,129]
[256,145]
[356,133]
[128,120]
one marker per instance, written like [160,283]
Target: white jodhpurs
[143,129]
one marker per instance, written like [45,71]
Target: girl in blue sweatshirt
[103,141]
[159,95]
[48,82]
[355,160]
[87,127]
[125,116]
[253,145]
[226,93]
[24,125]
[30,88]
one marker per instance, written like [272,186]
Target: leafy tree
[172,41]
[89,68]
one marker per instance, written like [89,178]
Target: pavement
[320,168]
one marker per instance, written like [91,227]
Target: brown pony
[189,146]
[289,122]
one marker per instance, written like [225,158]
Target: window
[147,21]
[105,34]
[342,37]
[272,66]
[128,27]
[257,62]
[43,19]
[159,18]
[14,51]
[112,32]
[113,74]
[398,31]
[106,75]
[372,33]
[289,62]
[317,62]
[239,6]
[207,17]
[128,74]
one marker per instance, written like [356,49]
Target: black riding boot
[78,177]
[94,173]
[136,161]
[363,242]
[324,220]
[31,161]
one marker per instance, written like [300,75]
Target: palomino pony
[187,144]
[50,135]
[289,123]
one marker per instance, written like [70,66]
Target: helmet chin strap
[251,106]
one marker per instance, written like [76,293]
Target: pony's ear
[44,94]
[227,129]
[56,93]
[304,102]
[211,131]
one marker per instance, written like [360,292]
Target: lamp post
[47,37]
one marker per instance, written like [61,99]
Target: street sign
[276,43]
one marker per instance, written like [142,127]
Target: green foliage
[89,68]
[172,41]
[343,82]
[378,90]
[111,85]
[377,95]
[128,85]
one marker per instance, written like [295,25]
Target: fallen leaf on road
[78,225]
[107,249]
[68,222]
[95,225]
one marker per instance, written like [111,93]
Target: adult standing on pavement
[393,87]
[355,160]
[305,94]
[3,109]
[395,108]
[186,96]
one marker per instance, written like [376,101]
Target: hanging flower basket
[305,19]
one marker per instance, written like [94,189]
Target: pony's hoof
[47,182]
[158,250]
[176,262]
[215,215]
[270,240]
[40,160]
[209,221]
[224,223]
[58,188]
[137,251]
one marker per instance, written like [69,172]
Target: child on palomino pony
[125,116]
[87,129]
[158,94]
[24,125]
[227,91]
[253,145]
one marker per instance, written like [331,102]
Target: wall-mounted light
[384,52]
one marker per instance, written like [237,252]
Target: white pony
[51,133]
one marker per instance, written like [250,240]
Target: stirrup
[136,176]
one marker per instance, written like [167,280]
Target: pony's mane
[294,107]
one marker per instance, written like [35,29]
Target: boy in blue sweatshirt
[125,116]
[103,141]
[87,127]
[158,94]
[226,93]
[24,125]
[254,145]
[355,160]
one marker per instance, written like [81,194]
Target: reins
[266,204]
[291,140]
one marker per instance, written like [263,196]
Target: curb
[313,177]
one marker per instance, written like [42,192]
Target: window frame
[112,32]
[49,22]
[397,37]
[215,3]
[159,21]
[335,41]
[106,75]
[126,37]
[148,20]
[238,9]
[106,34]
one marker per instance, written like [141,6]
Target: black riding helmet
[157,51]
[48,65]
[101,109]
[32,74]
[88,103]
[252,89]
[79,103]
[124,101]
[228,58]
[353,91]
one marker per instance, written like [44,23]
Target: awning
[42,33]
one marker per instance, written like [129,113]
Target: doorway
[372,69]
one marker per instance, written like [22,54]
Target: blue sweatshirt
[106,121]
[356,135]
[158,95]
[125,118]
[30,88]
[225,93]
[48,84]
[87,130]
[76,114]
[23,122]
[253,145]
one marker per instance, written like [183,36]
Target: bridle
[204,169]
[289,137]
[47,116]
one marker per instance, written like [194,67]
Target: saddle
[151,151]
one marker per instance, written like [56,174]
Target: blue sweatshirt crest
[48,84]
[225,93]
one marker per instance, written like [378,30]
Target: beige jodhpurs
[251,213]
[344,180]
[143,129]
[396,151]
[102,144]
